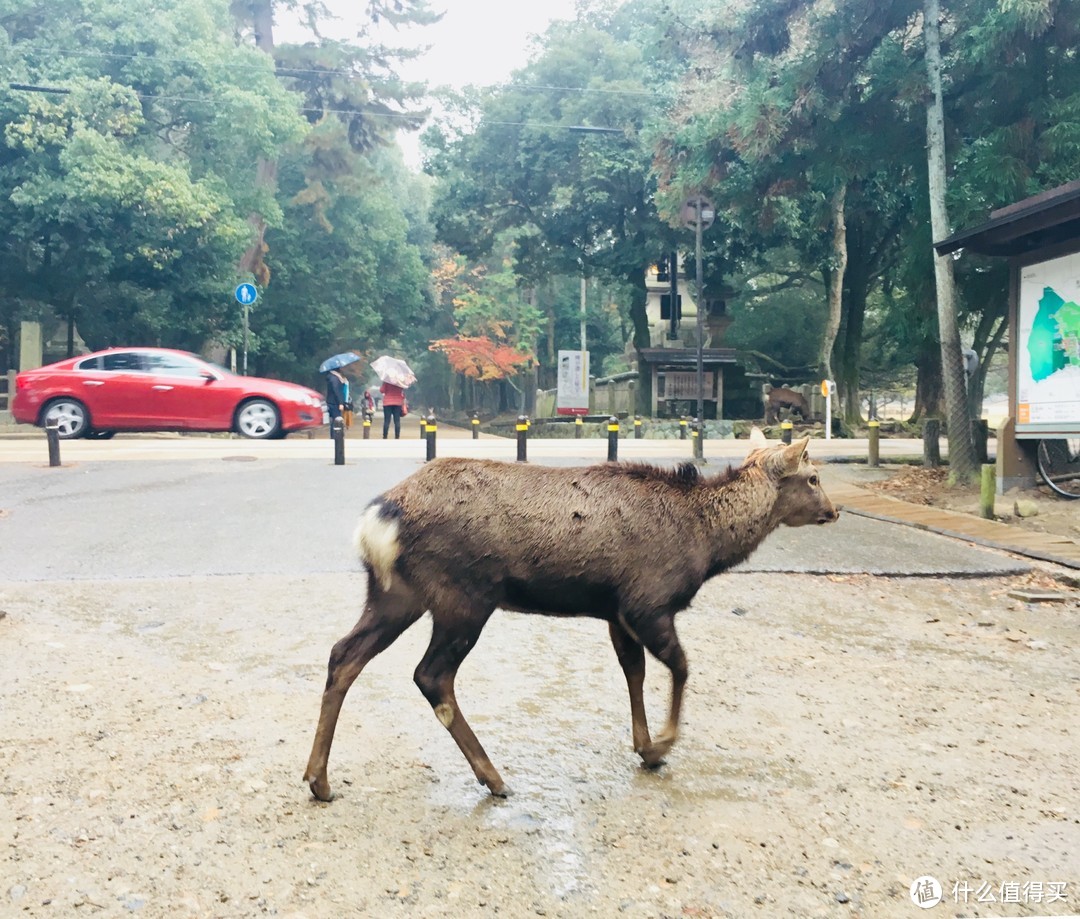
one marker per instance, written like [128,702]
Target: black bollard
[931,443]
[475,426]
[52,436]
[682,427]
[367,425]
[639,430]
[579,427]
[430,436]
[337,431]
[697,448]
[785,431]
[423,427]
[873,446]
[613,439]
[522,438]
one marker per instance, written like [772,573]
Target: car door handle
[161,387]
[93,382]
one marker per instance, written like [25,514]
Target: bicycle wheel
[1059,465]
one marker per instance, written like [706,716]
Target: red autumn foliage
[481,358]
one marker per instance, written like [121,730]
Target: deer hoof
[320,788]
[498,789]
[653,756]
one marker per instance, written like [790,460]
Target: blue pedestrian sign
[246,294]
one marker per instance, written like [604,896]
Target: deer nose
[829,516]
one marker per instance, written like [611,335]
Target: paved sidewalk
[1044,546]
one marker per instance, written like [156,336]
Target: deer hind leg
[657,634]
[632,660]
[386,615]
[435,677]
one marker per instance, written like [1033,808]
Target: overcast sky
[482,41]
[477,41]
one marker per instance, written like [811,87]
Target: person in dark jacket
[337,396]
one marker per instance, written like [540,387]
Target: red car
[157,389]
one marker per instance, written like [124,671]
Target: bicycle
[1059,465]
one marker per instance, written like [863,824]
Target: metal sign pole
[700,317]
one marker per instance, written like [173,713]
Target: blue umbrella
[338,361]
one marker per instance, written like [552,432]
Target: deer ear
[786,461]
[757,437]
[795,455]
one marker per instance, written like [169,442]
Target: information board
[573,390]
[1048,349]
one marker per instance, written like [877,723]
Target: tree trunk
[856,284]
[642,338]
[928,387]
[252,262]
[988,335]
[836,280]
[962,463]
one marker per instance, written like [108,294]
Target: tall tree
[962,460]
[120,190]
[577,202]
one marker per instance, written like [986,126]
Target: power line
[299,71]
[580,129]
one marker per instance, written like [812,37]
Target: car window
[91,363]
[121,362]
[173,365]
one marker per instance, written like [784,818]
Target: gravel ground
[843,736]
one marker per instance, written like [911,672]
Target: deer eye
[813,480]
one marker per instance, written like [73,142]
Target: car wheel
[258,419]
[70,417]
[100,435]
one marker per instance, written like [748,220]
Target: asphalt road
[248,514]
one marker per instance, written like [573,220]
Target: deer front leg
[384,619]
[631,657]
[657,634]
[435,677]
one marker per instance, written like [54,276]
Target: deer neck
[739,514]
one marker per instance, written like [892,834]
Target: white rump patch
[376,542]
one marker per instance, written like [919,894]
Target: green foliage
[123,196]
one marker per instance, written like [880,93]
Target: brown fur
[780,398]
[627,543]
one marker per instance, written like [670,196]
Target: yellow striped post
[430,436]
[522,438]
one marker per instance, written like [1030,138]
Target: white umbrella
[394,371]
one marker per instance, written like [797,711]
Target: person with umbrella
[396,377]
[337,386]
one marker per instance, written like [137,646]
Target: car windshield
[222,370]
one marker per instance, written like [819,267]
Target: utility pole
[699,212]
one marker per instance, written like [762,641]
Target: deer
[780,397]
[463,537]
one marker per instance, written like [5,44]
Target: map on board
[1048,354]
[1054,342]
